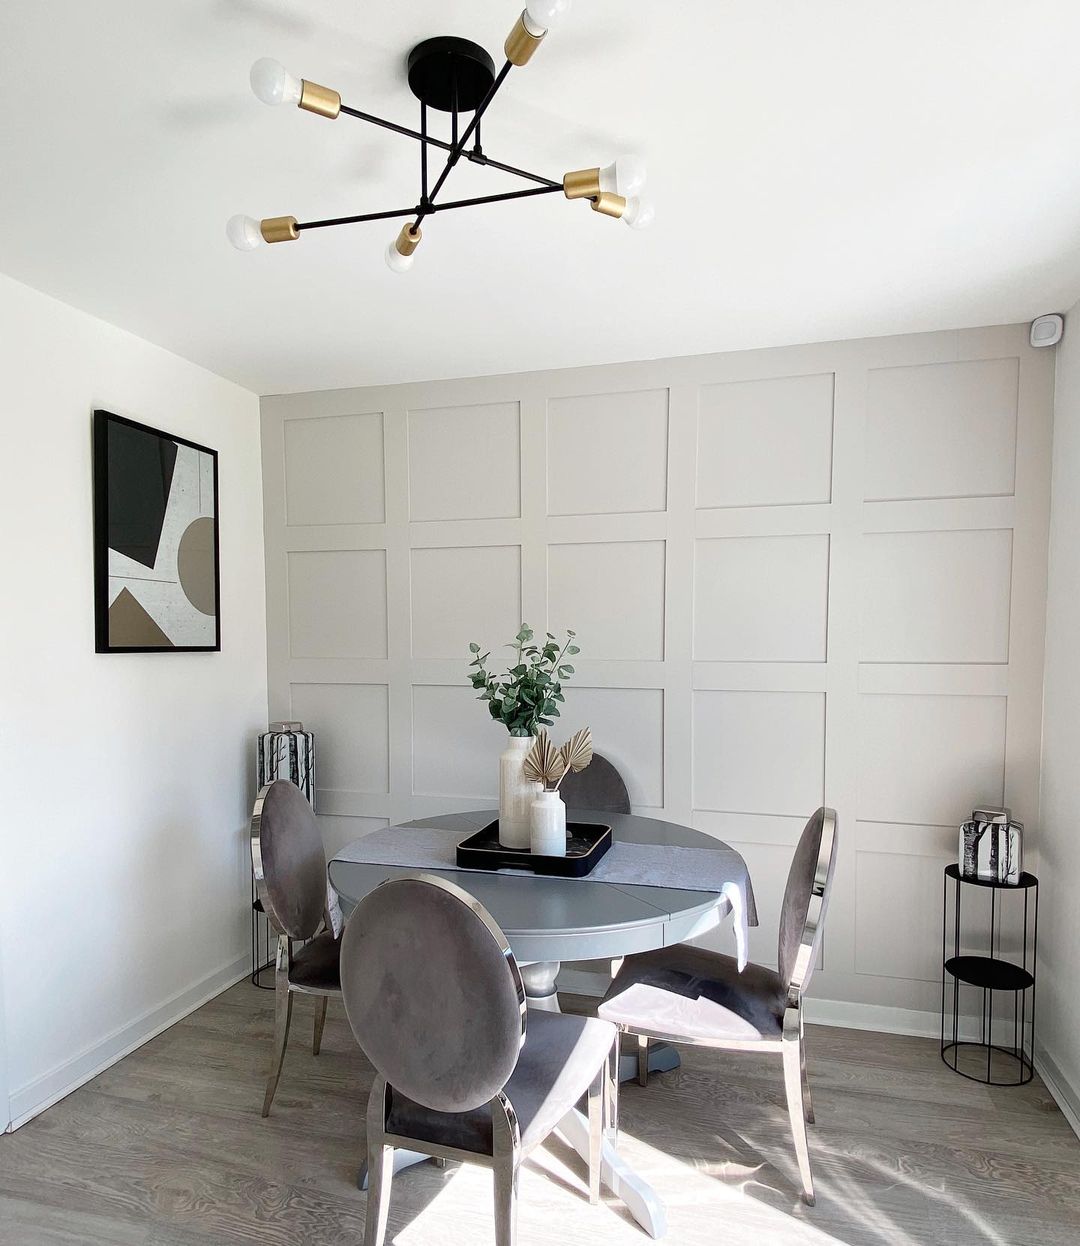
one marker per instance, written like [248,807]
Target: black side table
[992,974]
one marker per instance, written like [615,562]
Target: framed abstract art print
[156,575]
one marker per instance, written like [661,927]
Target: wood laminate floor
[167,1147]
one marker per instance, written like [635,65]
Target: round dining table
[550,920]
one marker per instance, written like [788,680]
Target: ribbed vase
[516,793]
[547,834]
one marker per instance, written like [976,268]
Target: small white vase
[547,833]
[516,793]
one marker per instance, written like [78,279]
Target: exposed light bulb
[396,262]
[273,84]
[541,15]
[244,233]
[624,176]
[639,213]
[399,254]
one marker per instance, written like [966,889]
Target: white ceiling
[826,169]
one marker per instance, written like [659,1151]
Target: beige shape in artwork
[195,565]
[130,627]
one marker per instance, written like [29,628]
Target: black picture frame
[104,488]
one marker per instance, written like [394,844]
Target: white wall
[1059,841]
[797,575]
[127,778]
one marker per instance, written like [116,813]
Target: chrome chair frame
[507,1153]
[792,1043]
[283,988]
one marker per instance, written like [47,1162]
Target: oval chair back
[433,993]
[288,859]
[806,897]
[598,786]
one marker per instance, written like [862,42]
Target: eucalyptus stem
[528,695]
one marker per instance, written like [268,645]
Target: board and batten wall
[802,575]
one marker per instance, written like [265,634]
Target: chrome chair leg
[643,1059]
[613,1072]
[506,1183]
[282,1016]
[807,1097]
[791,1048]
[380,1165]
[506,1141]
[597,1096]
[320,1024]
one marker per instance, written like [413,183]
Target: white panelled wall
[805,575]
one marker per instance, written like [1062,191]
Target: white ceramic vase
[547,834]
[516,793]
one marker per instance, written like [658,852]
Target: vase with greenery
[525,697]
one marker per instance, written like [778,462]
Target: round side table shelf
[993,974]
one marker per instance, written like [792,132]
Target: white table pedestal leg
[662,1059]
[640,1199]
[538,978]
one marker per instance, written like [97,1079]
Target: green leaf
[566,671]
[473,647]
[572,649]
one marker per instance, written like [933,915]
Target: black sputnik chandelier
[455,76]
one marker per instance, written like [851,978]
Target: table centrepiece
[525,697]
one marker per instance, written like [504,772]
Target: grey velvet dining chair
[685,994]
[598,786]
[289,865]
[464,1070]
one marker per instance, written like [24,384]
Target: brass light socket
[581,184]
[408,239]
[279,229]
[321,100]
[521,43]
[610,204]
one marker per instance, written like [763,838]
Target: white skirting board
[1065,1096]
[30,1100]
[880,1019]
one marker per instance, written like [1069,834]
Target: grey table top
[570,919]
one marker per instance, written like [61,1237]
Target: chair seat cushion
[689,992]
[561,1056]
[318,964]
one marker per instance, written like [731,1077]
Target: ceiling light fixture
[456,76]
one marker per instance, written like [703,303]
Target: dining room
[520,730]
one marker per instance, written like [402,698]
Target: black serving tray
[586,843]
